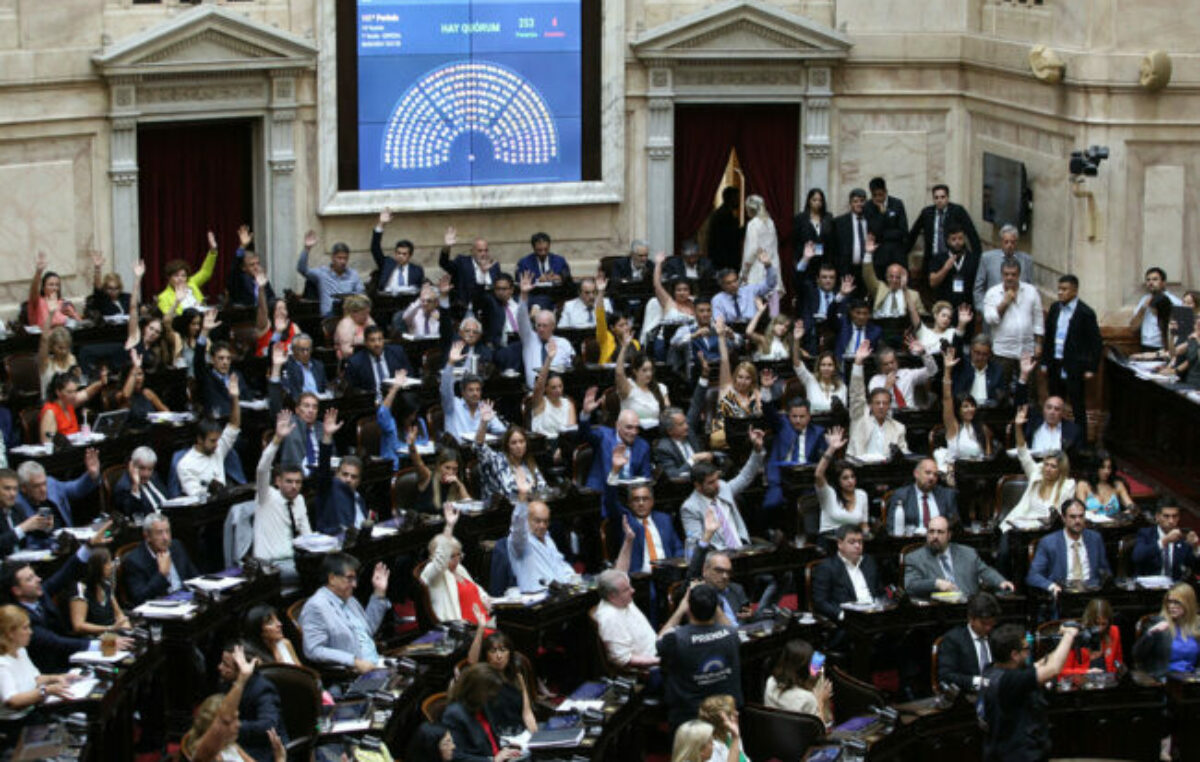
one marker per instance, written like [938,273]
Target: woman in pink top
[45,297]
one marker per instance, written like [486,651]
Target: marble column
[123,174]
[816,119]
[660,162]
[281,176]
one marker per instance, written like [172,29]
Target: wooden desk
[527,624]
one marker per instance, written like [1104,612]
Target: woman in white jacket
[761,235]
[452,592]
[1049,485]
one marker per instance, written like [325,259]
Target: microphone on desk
[896,595]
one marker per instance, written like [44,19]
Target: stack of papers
[214,583]
[96,657]
[254,404]
[408,382]
[468,506]
[169,416]
[316,543]
[29,556]
[34,451]
[382,531]
[182,500]
[116,319]
[580,705]
[166,609]
[80,438]
[522,599]
[1155,582]
[80,689]
[428,448]
[551,739]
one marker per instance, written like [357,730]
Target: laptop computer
[111,424]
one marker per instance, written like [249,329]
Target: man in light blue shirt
[535,559]
[736,303]
[336,628]
[536,334]
[462,413]
[332,279]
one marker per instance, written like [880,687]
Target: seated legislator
[793,687]
[699,659]
[735,301]
[370,367]
[982,377]
[301,373]
[475,353]
[440,486]
[244,275]
[654,536]
[536,333]
[966,435]
[550,410]
[264,632]
[339,505]
[965,653]
[611,327]
[710,491]
[108,295]
[581,311]
[826,385]
[462,414]
[720,711]
[260,708]
[159,566]
[336,628]
[511,472]
[680,447]
[892,298]
[1103,491]
[1073,556]
[423,317]
[628,638]
[848,577]
[214,731]
[1172,642]
[22,685]
[63,396]
[280,515]
[902,384]
[544,267]
[841,502]
[1049,485]
[689,265]
[604,439]
[644,395]
[202,468]
[182,291]
[398,271]
[535,559]
[220,385]
[855,326]
[40,492]
[1108,658]
[351,329]
[94,608]
[301,445]
[497,311]
[797,442]
[470,718]
[873,432]
[1166,549]
[636,266]
[945,566]
[1046,431]
[716,569]
[14,525]
[511,707]
[913,506]
[453,594]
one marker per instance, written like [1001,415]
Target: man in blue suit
[397,271]
[301,373]
[797,442]
[243,282]
[375,362]
[473,274]
[982,375]
[39,491]
[545,266]
[1166,549]
[604,439]
[643,519]
[1074,555]
[855,326]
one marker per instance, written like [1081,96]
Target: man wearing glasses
[301,374]
[337,630]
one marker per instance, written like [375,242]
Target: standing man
[333,279]
[1013,312]
[725,233]
[302,443]
[1147,314]
[889,222]
[546,268]
[850,233]
[989,275]
[932,223]
[965,654]
[1072,325]
[397,272]
[701,658]
[952,271]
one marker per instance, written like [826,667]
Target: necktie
[627,469]
[403,279]
[737,305]
[380,373]
[591,315]
[939,235]
[543,353]
[861,234]
[985,654]
[1076,562]
[651,548]
[292,518]
[310,447]
[425,317]
[686,449]
[899,395]
[925,509]
[732,541]
[824,303]
[512,319]
[857,338]
[797,449]
[947,568]
[895,306]
[1168,552]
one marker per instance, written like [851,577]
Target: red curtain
[192,179]
[766,138]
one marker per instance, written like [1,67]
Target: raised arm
[725,374]
[35,285]
[43,356]
[235,405]
[752,329]
[835,439]
[624,387]
[133,331]
[310,240]
[97,267]
[262,319]
[949,421]
[539,385]
[201,276]
[858,391]
[664,298]
[486,414]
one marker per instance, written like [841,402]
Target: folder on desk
[549,739]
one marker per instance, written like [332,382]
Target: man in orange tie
[654,534]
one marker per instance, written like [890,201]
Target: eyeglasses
[349,576]
[722,572]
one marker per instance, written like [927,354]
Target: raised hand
[620,457]
[1022,415]
[135,358]
[590,401]
[767,378]
[628,530]
[450,514]
[385,217]
[260,278]
[551,351]
[457,352]
[756,437]
[244,235]
[914,346]
[283,425]
[601,284]
[487,411]
[135,480]
[798,330]
[410,437]
[711,524]
[760,303]
[451,236]
[212,241]
[862,353]
[444,285]
[965,315]
[91,461]
[278,355]
[810,250]
[950,359]
[278,751]
[719,322]
[660,257]
[235,386]
[42,261]
[764,257]
[872,244]
[379,580]
[209,321]
[97,259]
[835,439]
[330,424]
[526,282]
[847,285]
[703,360]
[245,666]
[139,269]
[310,239]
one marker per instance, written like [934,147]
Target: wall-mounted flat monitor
[1007,198]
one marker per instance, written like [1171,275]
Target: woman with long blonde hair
[721,712]
[22,686]
[1172,643]
[693,742]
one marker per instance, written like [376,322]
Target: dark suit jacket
[470,740]
[890,227]
[361,375]
[872,332]
[603,439]
[735,594]
[242,285]
[675,268]
[831,585]
[622,269]
[1148,556]
[60,494]
[965,274]
[781,451]
[923,226]
[1081,351]
[666,453]
[906,499]
[105,306]
[462,272]
[259,710]
[725,239]
[964,375]
[387,265]
[8,536]
[803,232]
[958,661]
[843,235]
[214,396]
[130,506]
[1050,563]
[292,377]
[554,264]
[1072,437]
[336,502]
[52,644]
[672,546]
[491,314]
[142,580]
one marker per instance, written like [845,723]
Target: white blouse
[820,397]
[643,402]
[553,418]
[778,351]
[932,340]
[1032,509]
[17,675]
[760,234]
[834,515]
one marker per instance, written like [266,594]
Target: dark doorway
[765,139]
[193,178]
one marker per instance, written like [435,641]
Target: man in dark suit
[965,654]
[798,441]
[546,267]
[944,566]
[637,265]
[605,441]
[470,333]
[1165,548]
[139,490]
[339,506]
[213,381]
[932,226]
[375,362]
[1073,556]
[473,273]
[725,233]
[913,506]
[1046,430]
[680,448]
[982,377]
[850,234]
[855,327]
[645,522]
[301,373]
[243,283]
[689,264]
[715,568]
[397,271]
[260,708]
[159,565]
[300,446]
[832,584]
[40,491]
[497,311]
[1071,326]
[889,222]
[14,527]
[817,304]
[952,272]
[53,639]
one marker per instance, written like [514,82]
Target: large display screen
[468,92]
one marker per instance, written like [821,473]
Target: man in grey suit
[336,628]
[680,449]
[988,274]
[710,492]
[943,566]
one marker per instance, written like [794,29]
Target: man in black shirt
[725,233]
[1014,707]
[699,659]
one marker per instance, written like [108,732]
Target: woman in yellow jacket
[183,292]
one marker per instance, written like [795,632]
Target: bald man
[945,566]
[536,561]
[603,439]
[537,330]
[911,508]
[892,298]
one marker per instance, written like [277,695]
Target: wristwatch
[42,688]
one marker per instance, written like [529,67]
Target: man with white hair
[605,439]
[989,274]
[533,555]
[422,317]
[159,566]
[636,266]
[628,638]
[139,490]
[41,492]
[536,332]
[581,311]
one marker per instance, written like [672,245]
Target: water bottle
[85,429]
